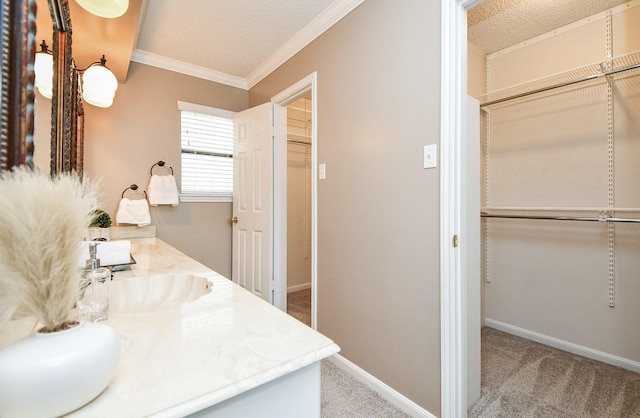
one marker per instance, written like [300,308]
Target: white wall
[552,277]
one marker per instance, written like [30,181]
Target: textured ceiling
[229,36]
[498,24]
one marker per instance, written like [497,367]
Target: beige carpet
[299,305]
[345,396]
[521,378]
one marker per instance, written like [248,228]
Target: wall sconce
[99,85]
[105,8]
[44,71]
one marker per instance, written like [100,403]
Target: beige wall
[142,127]
[551,277]
[378,209]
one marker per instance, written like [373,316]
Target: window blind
[207,153]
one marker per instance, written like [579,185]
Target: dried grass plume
[42,221]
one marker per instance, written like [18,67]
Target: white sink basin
[152,293]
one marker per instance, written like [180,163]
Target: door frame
[280,102]
[453,100]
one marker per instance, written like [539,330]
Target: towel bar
[160,164]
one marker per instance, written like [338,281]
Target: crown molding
[155,60]
[329,17]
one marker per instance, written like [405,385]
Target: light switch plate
[322,171]
[431,156]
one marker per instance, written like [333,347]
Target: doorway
[299,123]
[295,198]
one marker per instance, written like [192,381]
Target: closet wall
[569,152]
[299,195]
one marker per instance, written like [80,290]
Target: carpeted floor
[521,378]
[299,305]
[344,396]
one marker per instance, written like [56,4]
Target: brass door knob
[234,220]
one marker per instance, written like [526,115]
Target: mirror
[18,30]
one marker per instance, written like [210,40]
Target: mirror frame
[67,114]
[17,55]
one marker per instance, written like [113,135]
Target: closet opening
[560,217]
[299,130]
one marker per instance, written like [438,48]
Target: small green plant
[101,219]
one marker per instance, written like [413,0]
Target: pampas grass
[42,221]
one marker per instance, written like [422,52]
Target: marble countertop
[181,359]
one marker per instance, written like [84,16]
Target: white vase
[51,374]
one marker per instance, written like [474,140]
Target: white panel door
[253,200]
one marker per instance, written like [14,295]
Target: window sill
[204,198]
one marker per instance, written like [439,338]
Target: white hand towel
[133,212]
[163,190]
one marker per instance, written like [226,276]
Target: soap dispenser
[93,301]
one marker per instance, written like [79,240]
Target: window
[206,142]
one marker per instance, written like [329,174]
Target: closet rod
[560,85]
[560,218]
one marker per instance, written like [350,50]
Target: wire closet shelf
[624,65]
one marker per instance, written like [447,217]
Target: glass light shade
[105,8]
[99,86]
[44,74]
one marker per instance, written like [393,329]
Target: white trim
[329,17]
[298,287]
[207,110]
[320,24]
[452,309]
[453,101]
[309,83]
[580,350]
[159,61]
[205,198]
[387,392]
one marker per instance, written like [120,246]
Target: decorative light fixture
[99,85]
[105,8]
[44,71]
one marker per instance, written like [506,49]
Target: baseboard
[298,287]
[388,393]
[603,357]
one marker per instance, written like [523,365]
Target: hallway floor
[299,305]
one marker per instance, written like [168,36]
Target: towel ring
[134,187]
[160,164]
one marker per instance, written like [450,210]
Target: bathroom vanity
[225,354]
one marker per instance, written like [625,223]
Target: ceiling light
[44,71]
[99,85]
[105,8]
